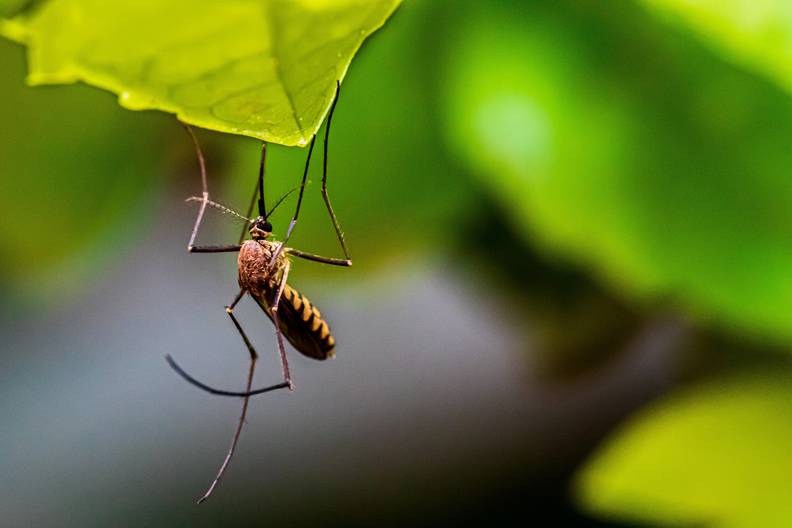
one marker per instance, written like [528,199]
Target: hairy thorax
[255,273]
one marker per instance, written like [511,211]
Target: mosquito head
[260,228]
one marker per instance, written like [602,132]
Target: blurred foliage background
[572,230]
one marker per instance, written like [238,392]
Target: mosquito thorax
[260,229]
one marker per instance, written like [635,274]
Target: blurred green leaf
[261,68]
[11,7]
[671,180]
[754,33]
[78,174]
[716,454]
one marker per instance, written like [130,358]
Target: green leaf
[261,68]
[395,192]
[669,180]
[713,455]
[754,33]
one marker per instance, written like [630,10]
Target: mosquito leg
[217,392]
[259,182]
[204,190]
[253,358]
[346,261]
[238,431]
[244,231]
[336,225]
[287,381]
[253,355]
[276,321]
[204,199]
[293,222]
[235,439]
[319,258]
[214,249]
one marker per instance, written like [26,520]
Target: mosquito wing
[301,323]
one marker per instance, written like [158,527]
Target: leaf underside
[260,68]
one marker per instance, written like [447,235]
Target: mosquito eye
[266,226]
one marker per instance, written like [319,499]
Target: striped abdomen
[302,324]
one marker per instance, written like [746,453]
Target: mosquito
[263,271]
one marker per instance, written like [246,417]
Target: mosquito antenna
[262,207]
[221,207]
[281,201]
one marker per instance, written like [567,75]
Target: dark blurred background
[558,213]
